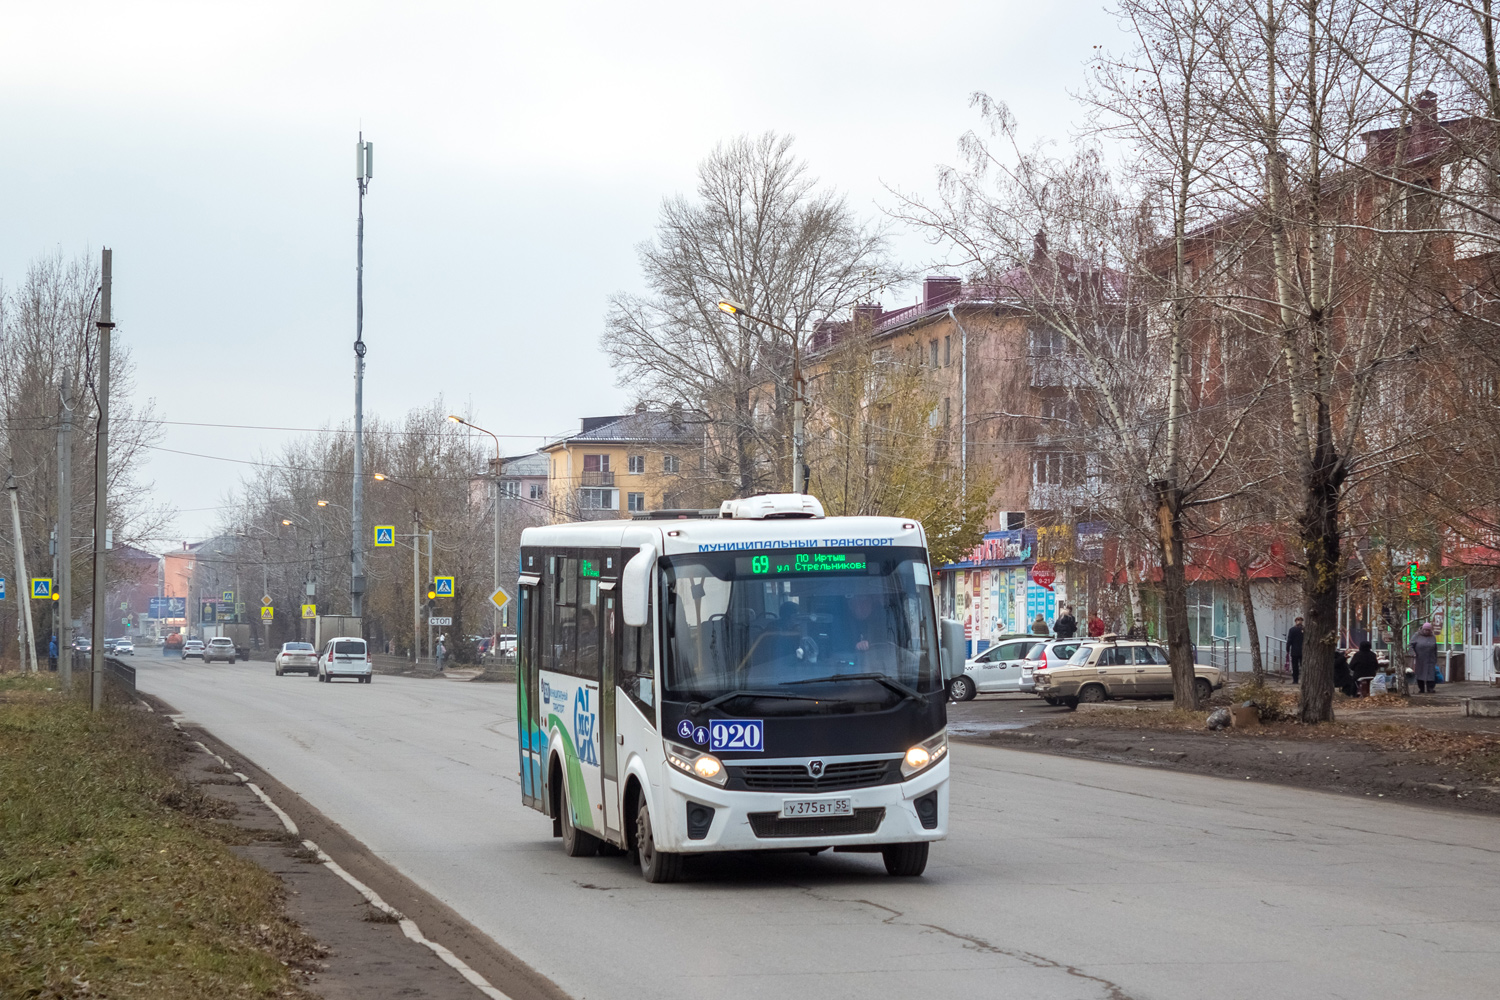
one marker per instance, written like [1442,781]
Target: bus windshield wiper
[890,682]
[695,709]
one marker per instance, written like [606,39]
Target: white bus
[760,678]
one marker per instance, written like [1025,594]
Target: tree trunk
[1179,639]
[1320,580]
[1247,607]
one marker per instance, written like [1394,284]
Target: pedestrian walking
[1039,625]
[442,654]
[1065,626]
[1424,648]
[52,654]
[1097,626]
[1294,649]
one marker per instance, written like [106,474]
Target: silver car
[297,658]
[192,647]
[220,647]
[999,668]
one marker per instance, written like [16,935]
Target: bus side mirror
[951,643]
[635,587]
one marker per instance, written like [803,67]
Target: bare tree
[761,233]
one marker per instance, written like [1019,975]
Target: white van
[345,656]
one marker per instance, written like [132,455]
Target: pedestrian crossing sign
[41,587]
[385,536]
[444,586]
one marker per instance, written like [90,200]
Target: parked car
[1049,653]
[999,668]
[1110,667]
[345,656]
[192,647]
[220,647]
[297,657]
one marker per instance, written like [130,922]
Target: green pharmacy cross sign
[1414,581]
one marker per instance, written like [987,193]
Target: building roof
[646,427]
[534,464]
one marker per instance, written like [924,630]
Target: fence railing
[1274,657]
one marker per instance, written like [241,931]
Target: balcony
[605,479]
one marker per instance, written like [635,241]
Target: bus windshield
[800,633]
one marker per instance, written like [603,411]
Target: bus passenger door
[528,708]
[608,761]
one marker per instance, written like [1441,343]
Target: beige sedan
[1109,667]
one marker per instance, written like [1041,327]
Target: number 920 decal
[736,734]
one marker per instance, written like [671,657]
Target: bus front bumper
[751,821]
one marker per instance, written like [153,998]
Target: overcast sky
[521,152]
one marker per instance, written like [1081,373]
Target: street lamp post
[798,447]
[495,482]
[315,541]
[416,567]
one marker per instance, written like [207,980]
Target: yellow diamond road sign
[500,598]
[309,611]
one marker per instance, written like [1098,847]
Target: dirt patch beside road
[1395,760]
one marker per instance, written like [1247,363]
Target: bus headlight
[703,766]
[925,754]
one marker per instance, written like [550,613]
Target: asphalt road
[1063,878]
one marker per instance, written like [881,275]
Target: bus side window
[588,622]
[637,669]
[565,641]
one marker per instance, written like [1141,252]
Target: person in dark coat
[1065,626]
[1364,664]
[1424,647]
[1294,649]
[1343,676]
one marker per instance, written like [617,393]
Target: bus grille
[794,777]
[770,824]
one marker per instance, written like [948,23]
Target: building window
[933,353]
[538,491]
[635,501]
[1056,468]
[511,487]
[592,499]
[637,464]
[596,471]
[1046,342]
[947,411]
[947,351]
[1062,408]
[670,464]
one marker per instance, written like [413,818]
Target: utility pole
[64,582]
[431,648]
[798,447]
[416,586]
[24,627]
[101,487]
[365,155]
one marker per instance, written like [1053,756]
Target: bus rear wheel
[656,866]
[905,860]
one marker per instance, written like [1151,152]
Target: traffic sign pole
[23,627]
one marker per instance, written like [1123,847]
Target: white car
[124,647]
[220,647]
[1001,668]
[192,647]
[345,656]
[297,658]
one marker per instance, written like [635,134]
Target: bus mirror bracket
[635,587]
[951,643]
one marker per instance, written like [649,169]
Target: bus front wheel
[576,843]
[905,860]
[656,866]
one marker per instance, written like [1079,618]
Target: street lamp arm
[735,309]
